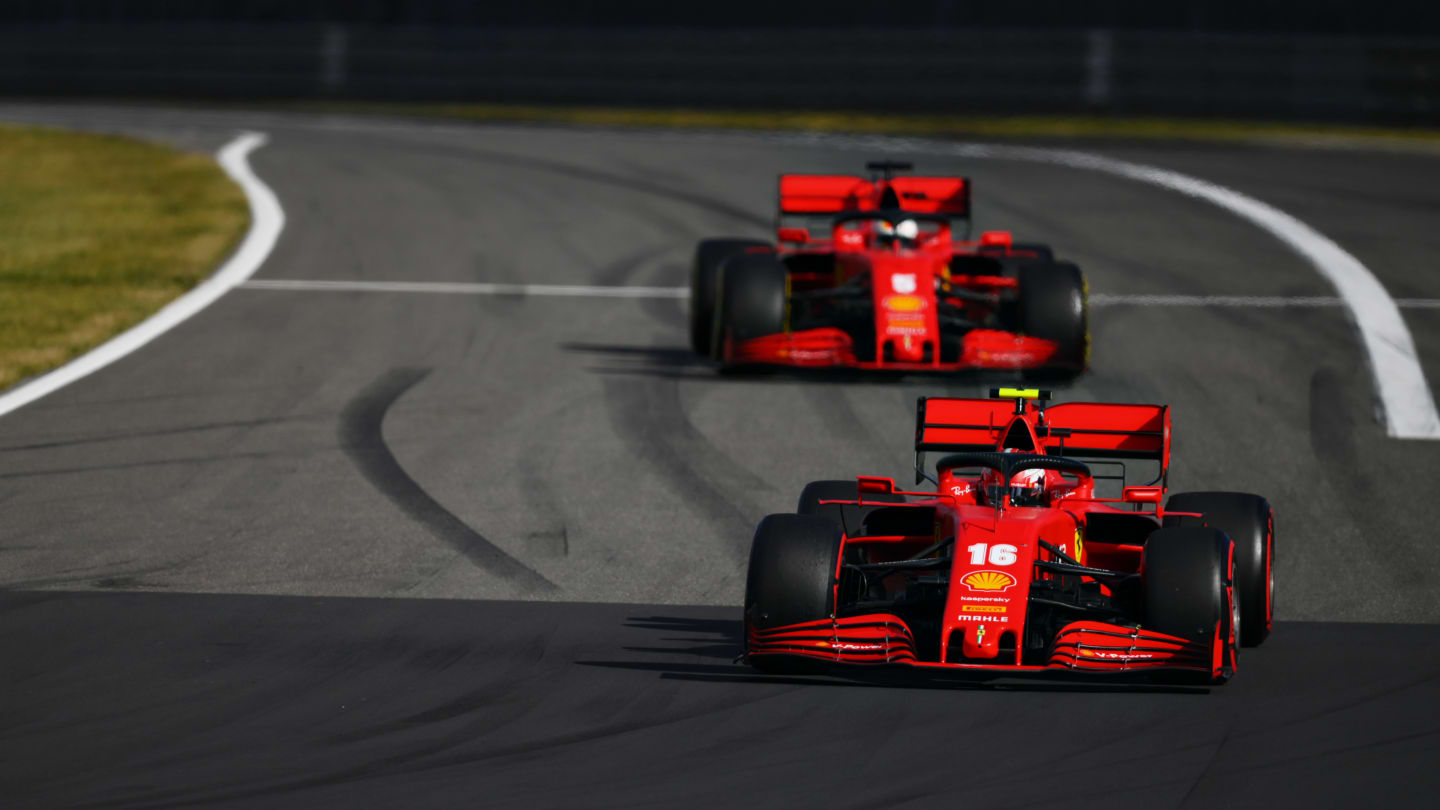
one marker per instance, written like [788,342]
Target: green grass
[1074,126]
[96,233]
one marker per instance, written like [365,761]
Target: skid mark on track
[840,420]
[648,415]
[148,434]
[362,439]
[548,537]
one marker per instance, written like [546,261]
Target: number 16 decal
[1000,553]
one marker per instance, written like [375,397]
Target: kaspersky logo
[988,581]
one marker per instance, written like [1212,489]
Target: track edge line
[267,220]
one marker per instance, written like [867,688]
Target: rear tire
[790,580]
[1186,577]
[704,272]
[751,300]
[1054,305]
[851,519]
[1250,522]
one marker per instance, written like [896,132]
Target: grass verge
[96,233]
[994,126]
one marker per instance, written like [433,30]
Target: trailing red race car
[1014,565]
[886,285]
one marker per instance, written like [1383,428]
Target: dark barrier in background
[930,69]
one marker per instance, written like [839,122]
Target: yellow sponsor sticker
[988,581]
[982,609]
[904,303]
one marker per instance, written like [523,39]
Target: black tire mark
[837,414]
[361,437]
[648,416]
[145,434]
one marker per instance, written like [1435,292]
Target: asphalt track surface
[345,549]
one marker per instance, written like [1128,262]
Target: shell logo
[988,580]
[904,303]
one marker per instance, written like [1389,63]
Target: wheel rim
[1269,572]
[1234,628]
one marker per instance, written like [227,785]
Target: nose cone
[982,642]
[904,312]
[908,349]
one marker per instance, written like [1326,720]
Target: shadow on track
[121,700]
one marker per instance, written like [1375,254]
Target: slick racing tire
[851,519]
[1054,304]
[1187,582]
[1250,522]
[750,300]
[791,580]
[704,272]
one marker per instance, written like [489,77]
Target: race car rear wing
[802,194]
[1077,429]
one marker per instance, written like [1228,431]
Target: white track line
[470,288]
[267,220]
[1270,301]
[1398,378]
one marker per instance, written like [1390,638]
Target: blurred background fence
[1210,59]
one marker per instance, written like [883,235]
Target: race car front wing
[1081,647]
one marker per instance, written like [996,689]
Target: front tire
[791,579]
[1187,582]
[704,273]
[1250,522]
[1054,305]
[751,300]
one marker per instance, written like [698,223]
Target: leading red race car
[889,282]
[1014,565]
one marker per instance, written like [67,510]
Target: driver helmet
[903,233]
[1027,488]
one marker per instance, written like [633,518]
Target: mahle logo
[988,580]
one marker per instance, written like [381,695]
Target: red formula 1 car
[887,285]
[1014,565]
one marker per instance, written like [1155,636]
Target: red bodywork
[909,281]
[1000,557]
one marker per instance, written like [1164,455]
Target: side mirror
[996,239]
[797,235]
[1141,494]
[874,485]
